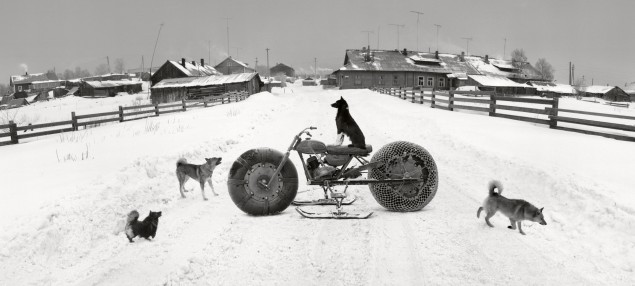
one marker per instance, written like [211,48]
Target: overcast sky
[597,36]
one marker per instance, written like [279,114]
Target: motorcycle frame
[337,180]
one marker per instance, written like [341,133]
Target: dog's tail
[181,161]
[133,216]
[494,184]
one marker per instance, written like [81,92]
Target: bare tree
[545,69]
[101,69]
[5,89]
[119,65]
[518,57]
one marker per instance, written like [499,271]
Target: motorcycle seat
[345,150]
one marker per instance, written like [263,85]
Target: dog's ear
[541,209]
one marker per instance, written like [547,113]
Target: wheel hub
[257,179]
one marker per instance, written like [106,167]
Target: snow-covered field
[64,199]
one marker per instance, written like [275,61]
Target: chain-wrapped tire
[249,176]
[404,160]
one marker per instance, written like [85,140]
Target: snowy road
[72,237]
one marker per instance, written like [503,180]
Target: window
[358,80]
[430,81]
[441,82]
[19,88]
[395,80]
[381,80]
[420,82]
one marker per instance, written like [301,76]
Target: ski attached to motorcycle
[323,202]
[334,215]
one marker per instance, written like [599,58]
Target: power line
[228,54]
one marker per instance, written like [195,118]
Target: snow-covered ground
[64,199]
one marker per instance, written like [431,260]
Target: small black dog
[146,228]
[347,125]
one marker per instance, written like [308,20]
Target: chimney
[462,56]
[486,59]
[202,62]
[404,52]
[436,55]
[194,63]
[183,62]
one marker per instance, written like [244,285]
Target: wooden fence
[548,112]
[125,113]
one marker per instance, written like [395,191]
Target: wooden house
[170,90]
[232,66]
[609,93]
[173,69]
[108,88]
[282,69]
[499,84]
[25,82]
[391,68]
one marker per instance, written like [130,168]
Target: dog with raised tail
[201,173]
[515,210]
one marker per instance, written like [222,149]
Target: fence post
[413,95]
[120,113]
[553,123]
[451,100]
[184,105]
[13,130]
[492,105]
[432,99]
[156,109]
[74,119]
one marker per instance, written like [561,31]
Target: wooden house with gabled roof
[174,69]
[231,66]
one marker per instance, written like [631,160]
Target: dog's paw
[205,199]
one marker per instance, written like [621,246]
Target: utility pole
[155,49]
[228,55]
[368,37]
[108,61]
[505,48]
[237,48]
[570,82]
[143,67]
[467,49]
[268,71]
[418,14]
[398,26]
[378,29]
[256,66]
[438,26]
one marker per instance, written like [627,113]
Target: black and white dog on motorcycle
[346,125]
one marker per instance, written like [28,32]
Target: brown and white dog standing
[515,210]
[201,173]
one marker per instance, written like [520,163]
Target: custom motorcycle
[401,176]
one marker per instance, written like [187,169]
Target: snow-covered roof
[553,87]
[195,69]
[501,81]
[22,79]
[111,83]
[596,89]
[386,60]
[205,80]
[498,67]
